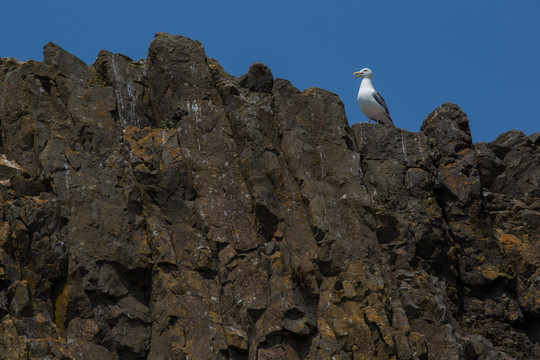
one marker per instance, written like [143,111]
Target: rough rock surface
[163,209]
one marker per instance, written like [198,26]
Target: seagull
[371,102]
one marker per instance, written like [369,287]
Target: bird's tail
[385,120]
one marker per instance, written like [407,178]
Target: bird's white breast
[368,104]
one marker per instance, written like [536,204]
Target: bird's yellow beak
[357,74]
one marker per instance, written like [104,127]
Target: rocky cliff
[163,209]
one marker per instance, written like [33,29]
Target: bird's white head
[364,73]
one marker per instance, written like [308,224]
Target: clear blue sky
[483,55]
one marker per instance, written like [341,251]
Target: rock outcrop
[164,209]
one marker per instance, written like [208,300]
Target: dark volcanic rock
[164,209]
[128,81]
[258,79]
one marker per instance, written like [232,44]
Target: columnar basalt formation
[164,209]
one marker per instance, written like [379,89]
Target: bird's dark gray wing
[379,99]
